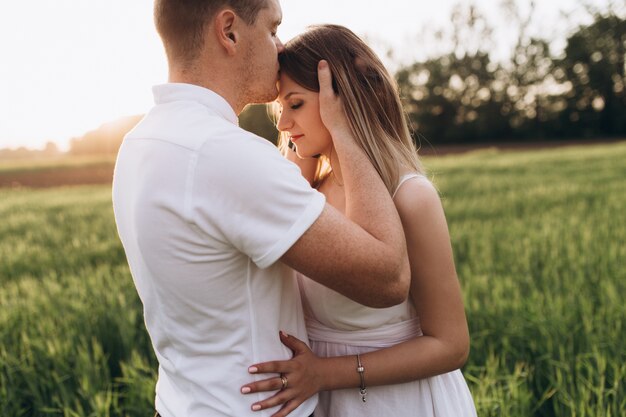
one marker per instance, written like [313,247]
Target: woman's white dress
[339,326]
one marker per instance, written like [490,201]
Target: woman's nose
[284,122]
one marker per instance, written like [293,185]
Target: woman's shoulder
[414,181]
[416,193]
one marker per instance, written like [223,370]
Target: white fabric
[339,326]
[339,312]
[445,395]
[380,337]
[204,210]
[405,178]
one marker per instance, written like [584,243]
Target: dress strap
[404,178]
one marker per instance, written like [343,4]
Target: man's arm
[364,255]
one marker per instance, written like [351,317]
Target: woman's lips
[296,137]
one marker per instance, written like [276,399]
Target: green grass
[72,337]
[539,240]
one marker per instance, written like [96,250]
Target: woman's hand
[301,375]
[332,111]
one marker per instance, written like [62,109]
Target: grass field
[540,246]
[48,172]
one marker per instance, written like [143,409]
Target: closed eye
[295,106]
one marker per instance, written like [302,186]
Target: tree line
[465,96]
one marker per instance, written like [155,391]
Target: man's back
[196,202]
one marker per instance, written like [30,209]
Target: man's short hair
[181,23]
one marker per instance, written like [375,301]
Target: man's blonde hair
[181,23]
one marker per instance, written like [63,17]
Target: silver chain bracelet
[360,369]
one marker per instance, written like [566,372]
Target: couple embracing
[317,278]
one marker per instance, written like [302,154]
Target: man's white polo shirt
[205,210]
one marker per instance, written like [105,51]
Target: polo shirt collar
[170,92]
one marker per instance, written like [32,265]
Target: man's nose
[279,45]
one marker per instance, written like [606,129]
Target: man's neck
[215,83]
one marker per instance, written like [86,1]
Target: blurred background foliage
[465,93]
[466,96]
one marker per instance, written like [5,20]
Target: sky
[68,66]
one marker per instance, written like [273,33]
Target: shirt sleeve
[246,194]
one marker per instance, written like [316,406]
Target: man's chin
[265,98]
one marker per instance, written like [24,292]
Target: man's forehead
[274,11]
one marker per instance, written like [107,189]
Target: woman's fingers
[293,343]
[326,80]
[298,378]
[331,107]
[284,398]
[280,398]
[270,384]
[327,95]
[276,367]
[287,408]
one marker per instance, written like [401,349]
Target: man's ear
[225,30]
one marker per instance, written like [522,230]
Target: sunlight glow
[69,66]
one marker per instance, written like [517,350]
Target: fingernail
[245,390]
[323,64]
[256,407]
[253,369]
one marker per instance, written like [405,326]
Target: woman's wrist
[324,369]
[338,372]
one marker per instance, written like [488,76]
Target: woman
[398,361]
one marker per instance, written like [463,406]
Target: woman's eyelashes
[295,106]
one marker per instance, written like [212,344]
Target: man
[209,214]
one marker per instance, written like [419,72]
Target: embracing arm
[437,296]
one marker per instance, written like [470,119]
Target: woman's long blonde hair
[369,94]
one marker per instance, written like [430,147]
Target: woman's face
[300,119]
